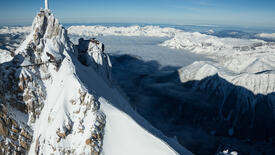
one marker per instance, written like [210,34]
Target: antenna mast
[46,5]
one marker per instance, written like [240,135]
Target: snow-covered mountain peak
[258,83]
[33,71]
[56,98]
[47,40]
[236,97]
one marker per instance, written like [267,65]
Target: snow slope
[5,56]
[10,38]
[133,139]
[207,44]
[237,55]
[261,83]
[243,102]
[238,82]
[135,134]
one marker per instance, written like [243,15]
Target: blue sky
[222,12]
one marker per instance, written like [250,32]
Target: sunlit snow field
[145,63]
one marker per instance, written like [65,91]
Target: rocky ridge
[240,104]
[24,84]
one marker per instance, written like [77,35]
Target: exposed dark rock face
[15,136]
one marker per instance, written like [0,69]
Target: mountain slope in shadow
[199,117]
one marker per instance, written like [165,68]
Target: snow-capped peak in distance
[239,85]
[267,35]
[237,99]
[230,53]
[58,98]
[150,31]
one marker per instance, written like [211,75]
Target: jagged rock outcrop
[24,93]
[15,137]
[91,53]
